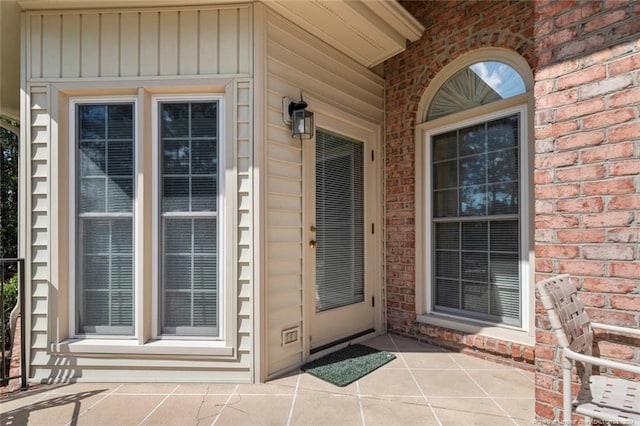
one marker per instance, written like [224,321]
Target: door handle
[313,244]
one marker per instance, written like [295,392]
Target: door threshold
[341,341]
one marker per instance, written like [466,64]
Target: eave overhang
[368,31]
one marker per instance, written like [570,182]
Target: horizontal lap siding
[38,253]
[139,43]
[297,61]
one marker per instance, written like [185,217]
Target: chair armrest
[568,353]
[616,329]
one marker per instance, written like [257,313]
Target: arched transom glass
[478,84]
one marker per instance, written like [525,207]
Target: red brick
[608,118]
[607,220]
[544,352]
[577,14]
[625,269]
[544,235]
[580,140]
[626,202]
[579,46]
[627,167]
[615,350]
[609,285]
[581,173]
[580,109]
[605,20]
[590,299]
[609,252]
[626,302]
[544,87]
[609,187]
[597,57]
[557,69]
[529,353]
[581,267]
[556,129]
[550,397]
[608,152]
[581,77]
[544,265]
[557,251]
[544,207]
[604,87]
[581,205]
[581,235]
[556,99]
[545,411]
[556,191]
[624,132]
[555,38]
[556,221]
[611,317]
[623,235]
[544,176]
[624,65]
[624,98]
[545,145]
[557,160]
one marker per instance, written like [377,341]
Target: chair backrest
[568,319]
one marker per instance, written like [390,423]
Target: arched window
[474,169]
[478,84]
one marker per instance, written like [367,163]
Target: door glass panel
[339,221]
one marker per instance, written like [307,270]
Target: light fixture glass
[301,120]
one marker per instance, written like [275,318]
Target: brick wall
[587,161]
[586,60]
[453,28]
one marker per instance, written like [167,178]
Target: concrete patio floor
[424,385]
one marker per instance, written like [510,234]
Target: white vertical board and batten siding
[145,43]
[298,61]
[101,49]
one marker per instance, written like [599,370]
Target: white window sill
[131,347]
[502,333]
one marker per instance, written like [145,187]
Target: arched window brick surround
[451,33]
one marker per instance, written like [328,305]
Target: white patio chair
[610,399]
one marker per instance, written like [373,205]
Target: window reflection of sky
[500,77]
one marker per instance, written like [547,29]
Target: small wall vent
[290,336]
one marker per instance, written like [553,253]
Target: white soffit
[369,31]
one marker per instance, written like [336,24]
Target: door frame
[343,123]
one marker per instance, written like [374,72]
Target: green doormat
[347,365]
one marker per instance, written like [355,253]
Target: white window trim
[223,243]
[142,341]
[424,286]
[73,214]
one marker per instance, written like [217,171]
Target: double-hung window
[475,220]
[174,235]
[188,146]
[105,217]
[475,179]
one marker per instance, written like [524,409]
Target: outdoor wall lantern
[300,119]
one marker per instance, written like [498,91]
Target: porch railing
[8,267]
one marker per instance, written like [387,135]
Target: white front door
[340,231]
